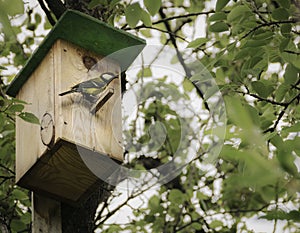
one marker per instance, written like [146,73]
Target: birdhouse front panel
[76,118]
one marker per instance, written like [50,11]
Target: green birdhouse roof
[88,33]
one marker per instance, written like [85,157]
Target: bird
[93,87]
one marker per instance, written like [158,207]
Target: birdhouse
[77,126]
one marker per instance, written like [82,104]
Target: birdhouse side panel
[38,92]
[75,120]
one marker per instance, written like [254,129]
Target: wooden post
[46,215]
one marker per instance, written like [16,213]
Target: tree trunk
[81,219]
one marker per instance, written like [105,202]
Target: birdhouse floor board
[48,175]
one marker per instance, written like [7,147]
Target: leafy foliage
[251,49]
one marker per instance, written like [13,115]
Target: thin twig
[292,52]
[281,114]
[179,56]
[268,24]
[264,99]
[47,12]
[169,19]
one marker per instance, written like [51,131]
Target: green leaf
[216,223]
[257,43]
[37,18]
[93,3]
[285,29]
[262,88]
[146,72]
[197,226]
[290,75]
[294,215]
[283,44]
[12,7]
[275,214]
[238,13]
[154,204]
[146,33]
[152,6]
[145,17]
[176,197]
[254,169]
[6,27]
[202,196]
[17,225]
[237,112]
[217,17]
[254,114]
[133,14]
[293,128]
[284,3]
[221,4]
[218,27]
[280,14]
[281,91]
[197,42]
[187,85]
[29,117]
[16,108]
[3,68]
[26,218]
[279,214]
[19,194]
[286,160]
[47,25]
[263,35]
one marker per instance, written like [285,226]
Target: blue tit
[92,87]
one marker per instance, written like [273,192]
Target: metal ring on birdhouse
[47,130]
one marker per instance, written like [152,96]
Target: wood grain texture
[69,166]
[46,215]
[38,92]
[63,175]
[102,131]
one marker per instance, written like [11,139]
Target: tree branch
[281,114]
[179,56]
[161,30]
[267,25]
[57,7]
[47,12]
[292,52]
[284,104]
[170,18]
[6,168]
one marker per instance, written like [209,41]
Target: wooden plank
[38,93]
[63,175]
[46,215]
[74,121]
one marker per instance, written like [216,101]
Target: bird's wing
[92,83]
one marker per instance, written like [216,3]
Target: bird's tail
[66,92]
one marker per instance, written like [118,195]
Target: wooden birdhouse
[78,127]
